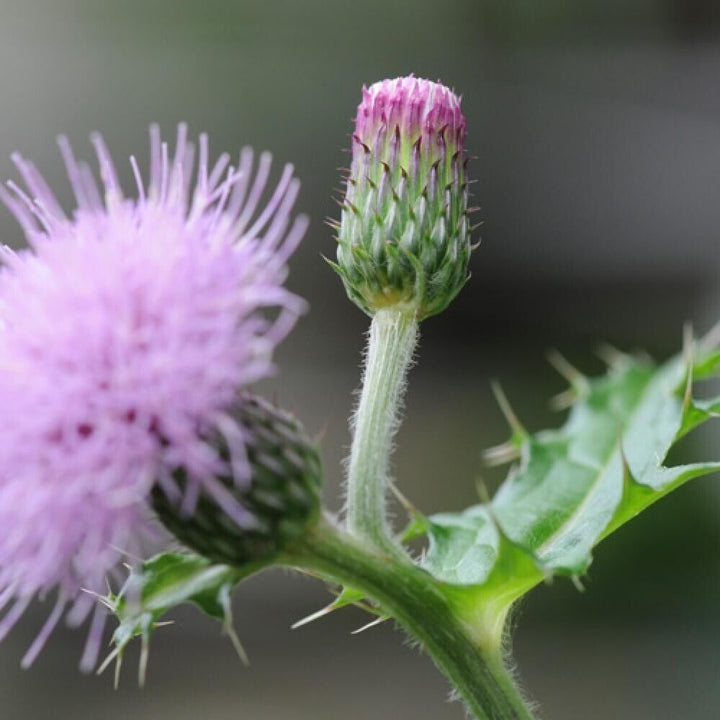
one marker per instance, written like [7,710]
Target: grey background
[596,126]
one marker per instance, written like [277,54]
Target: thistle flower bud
[404,233]
[280,491]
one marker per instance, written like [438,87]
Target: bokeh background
[596,127]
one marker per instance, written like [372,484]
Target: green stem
[392,339]
[415,599]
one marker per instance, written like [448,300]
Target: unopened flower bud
[404,232]
[280,497]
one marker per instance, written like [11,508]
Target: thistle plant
[132,331]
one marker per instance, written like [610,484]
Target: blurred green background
[596,127]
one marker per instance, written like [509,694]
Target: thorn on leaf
[228,626]
[688,348]
[519,431]
[373,623]
[502,454]
[576,379]
[612,357]
[316,615]
[410,508]
[565,399]
[482,491]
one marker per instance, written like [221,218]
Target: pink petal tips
[409,109]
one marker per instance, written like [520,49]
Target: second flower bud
[281,492]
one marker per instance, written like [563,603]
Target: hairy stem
[416,600]
[391,342]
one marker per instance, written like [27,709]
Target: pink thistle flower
[126,332]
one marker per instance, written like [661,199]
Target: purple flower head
[126,332]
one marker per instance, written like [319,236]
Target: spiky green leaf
[575,485]
[161,584]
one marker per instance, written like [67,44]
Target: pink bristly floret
[126,331]
[412,105]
